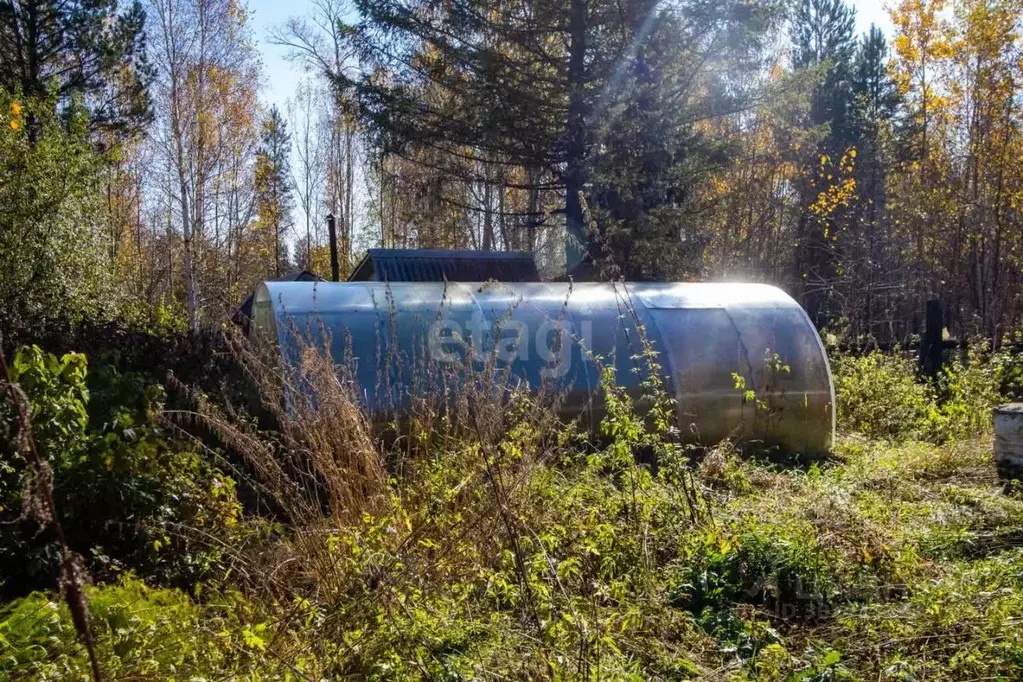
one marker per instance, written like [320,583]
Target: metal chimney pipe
[335,270]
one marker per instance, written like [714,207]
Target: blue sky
[280,77]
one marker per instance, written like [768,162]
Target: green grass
[492,543]
[891,562]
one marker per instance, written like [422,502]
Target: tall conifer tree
[274,195]
[822,36]
[93,49]
[550,85]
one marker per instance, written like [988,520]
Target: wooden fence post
[932,344]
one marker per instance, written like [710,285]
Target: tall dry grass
[396,529]
[329,478]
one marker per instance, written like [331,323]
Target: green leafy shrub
[781,567]
[53,253]
[964,624]
[140,633]
[128,495]
[879,396]
[1009,373]
[967,392]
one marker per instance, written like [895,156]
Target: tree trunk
[534,209]
[186,222]
[349,183]
[575,133]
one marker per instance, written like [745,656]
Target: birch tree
[202,53]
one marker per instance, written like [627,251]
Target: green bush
[1009,373]
[128,496]
[967,392]
[961,625]
[53,245]
[879,396]
[780,567]
[140,633]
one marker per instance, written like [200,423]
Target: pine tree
[545,85]
[875,97]
[86,48]
[875,101]
[822,35]
[648,154]
[274,195]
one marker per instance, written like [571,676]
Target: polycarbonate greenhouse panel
[742,361]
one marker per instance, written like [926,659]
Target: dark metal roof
[438,265]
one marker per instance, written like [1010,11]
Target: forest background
[146,174]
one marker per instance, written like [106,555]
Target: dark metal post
[335,270]
[932,345]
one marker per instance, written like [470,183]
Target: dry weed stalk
[39,504]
